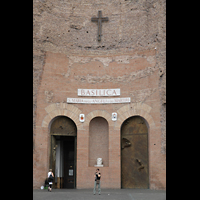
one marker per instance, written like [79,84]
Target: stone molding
[62,109]
[133,109]
[71,111]
[98,113]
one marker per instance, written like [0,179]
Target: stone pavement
[106,194]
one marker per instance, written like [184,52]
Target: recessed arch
[98,141]
[97,113]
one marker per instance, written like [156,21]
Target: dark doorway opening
[64,166]
[69,163]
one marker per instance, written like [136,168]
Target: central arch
[98,141]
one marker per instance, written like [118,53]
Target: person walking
[97,176]
[50,179]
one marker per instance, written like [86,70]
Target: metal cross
[99,19]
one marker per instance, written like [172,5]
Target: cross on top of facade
[99,19]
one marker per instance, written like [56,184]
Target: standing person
[97,176]
[50,179]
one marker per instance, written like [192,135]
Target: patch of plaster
[49,96]
[105,60]
[125,78]
[141,95]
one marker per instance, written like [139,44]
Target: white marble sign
[99,101]
[99,92]
[81,117]
[114,116]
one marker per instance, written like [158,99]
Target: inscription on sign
[99,92]
[99,101]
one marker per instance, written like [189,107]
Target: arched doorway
[134,153]
[62,160]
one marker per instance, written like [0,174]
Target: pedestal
[98,165]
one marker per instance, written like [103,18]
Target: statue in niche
[99,162]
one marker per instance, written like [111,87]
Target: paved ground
[106,194]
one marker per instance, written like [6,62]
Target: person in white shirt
[50,180]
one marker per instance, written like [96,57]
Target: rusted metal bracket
[125,143]
[141,165]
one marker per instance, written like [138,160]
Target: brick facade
[61,67]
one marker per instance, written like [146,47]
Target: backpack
[50,179]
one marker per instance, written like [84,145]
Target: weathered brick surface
[130,56]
